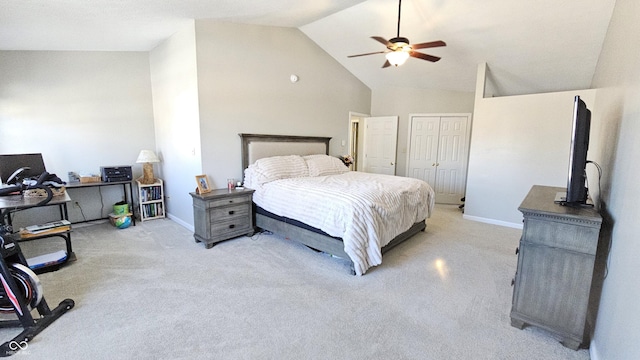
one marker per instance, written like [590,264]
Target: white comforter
[366,210]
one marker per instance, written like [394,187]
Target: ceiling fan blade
[422,56]
[371,53]
[386,64]
[382,41]
[428,44]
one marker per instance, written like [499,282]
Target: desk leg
[64,214]
[133,207]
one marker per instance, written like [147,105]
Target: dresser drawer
[563,235]
[227,228]
[229,201]
[222,213]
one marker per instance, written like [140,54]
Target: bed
[354,215]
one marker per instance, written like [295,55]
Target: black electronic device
[577,192]
[116,173]
[32,165]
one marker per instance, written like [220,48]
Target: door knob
[391,163]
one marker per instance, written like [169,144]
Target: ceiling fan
[399,49]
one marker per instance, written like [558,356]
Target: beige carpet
[151,292]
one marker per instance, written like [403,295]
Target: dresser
[556,257]
[222,215]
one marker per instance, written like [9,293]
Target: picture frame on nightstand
[203,184]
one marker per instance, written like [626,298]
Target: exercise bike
[21,291]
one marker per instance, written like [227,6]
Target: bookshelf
[151,199]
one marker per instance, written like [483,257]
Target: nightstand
[222,215]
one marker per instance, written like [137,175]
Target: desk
[13,203]
[124,191]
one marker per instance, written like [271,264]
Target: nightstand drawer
[229,201]
[227,212]
[238,225]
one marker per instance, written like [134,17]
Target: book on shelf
[153,210]
[151,193]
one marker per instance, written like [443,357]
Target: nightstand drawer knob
[231,212]
[232,226]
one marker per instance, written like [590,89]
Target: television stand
[556,258]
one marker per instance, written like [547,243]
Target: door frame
[356,117]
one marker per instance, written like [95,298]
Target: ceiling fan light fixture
[399,49]
[397,58]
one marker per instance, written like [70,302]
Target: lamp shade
[147,156]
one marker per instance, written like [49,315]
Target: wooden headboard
[256,146]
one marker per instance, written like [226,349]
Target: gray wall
[405,101]
[518,142]
[81,110]
[174,80]
[618,80]
[246,88]
[185,99]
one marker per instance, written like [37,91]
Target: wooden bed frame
[256,146]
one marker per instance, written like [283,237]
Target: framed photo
[203,184]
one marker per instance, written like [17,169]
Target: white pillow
[320,165]
[275,168]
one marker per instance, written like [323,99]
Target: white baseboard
[593,351]
[182,223]
[492,221]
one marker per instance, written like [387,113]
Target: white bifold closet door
[438,153]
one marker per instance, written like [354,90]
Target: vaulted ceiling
[531,46]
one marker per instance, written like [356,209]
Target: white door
[380,142]
[423,152]
[438,154]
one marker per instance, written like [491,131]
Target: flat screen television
[576,182]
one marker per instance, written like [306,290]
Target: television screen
[10,163]
[576,182]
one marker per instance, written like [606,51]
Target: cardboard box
[113,217]
[90,179]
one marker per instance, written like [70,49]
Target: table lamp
[147,157]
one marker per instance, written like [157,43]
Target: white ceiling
[530,46]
